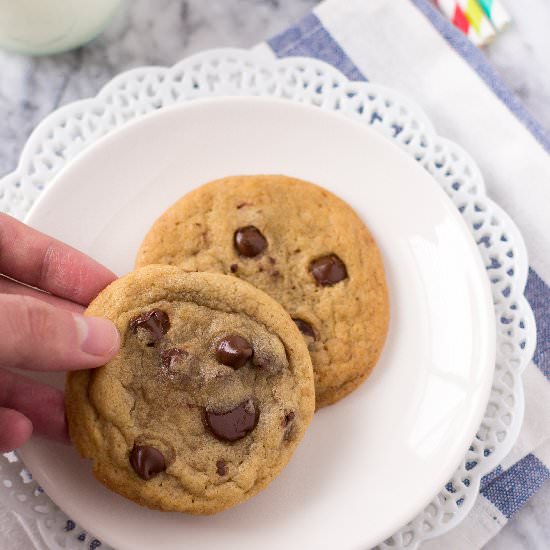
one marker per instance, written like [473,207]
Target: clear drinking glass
[40,27]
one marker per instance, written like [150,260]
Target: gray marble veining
[159,32]
[164,31]
[522,55]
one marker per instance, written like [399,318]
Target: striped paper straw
[496,13]
[457,17]
[477,18]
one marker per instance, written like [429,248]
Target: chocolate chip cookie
[303,246]
[207,399]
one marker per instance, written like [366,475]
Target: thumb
[39,336]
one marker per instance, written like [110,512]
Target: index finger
[46,263]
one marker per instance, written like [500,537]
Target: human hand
[43,329]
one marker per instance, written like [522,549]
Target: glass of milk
[40,27]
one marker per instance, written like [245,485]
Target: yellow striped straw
[477,18]
[456,16]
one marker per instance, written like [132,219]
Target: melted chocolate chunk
[249,241]
[305,328]
[234,351]
[147,461]
[328,270]
[233,268]
[221,469]
[170,357]
[155,321]
[234,424]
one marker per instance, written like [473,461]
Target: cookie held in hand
[207,399]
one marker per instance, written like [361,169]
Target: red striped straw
[452,10]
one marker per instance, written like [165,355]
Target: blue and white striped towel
[408,46]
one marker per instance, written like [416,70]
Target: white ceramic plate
[367,464]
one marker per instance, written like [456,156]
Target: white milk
[41,27]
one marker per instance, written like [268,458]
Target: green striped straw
[478,20]
[496,13]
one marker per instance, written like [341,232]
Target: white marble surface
[522,55]
[164,31]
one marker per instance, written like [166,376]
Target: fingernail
[97,336]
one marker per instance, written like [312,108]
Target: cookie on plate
[207,399]
[302,245]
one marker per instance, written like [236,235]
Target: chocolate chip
[288,425]
[154,321]
[249,241]
[220,467]
[289,417]
[234,351]
[328,270]
[147,461]
[305,328]
[268,361]
[263,363]
[234,424]
[170,357]
[233,268]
